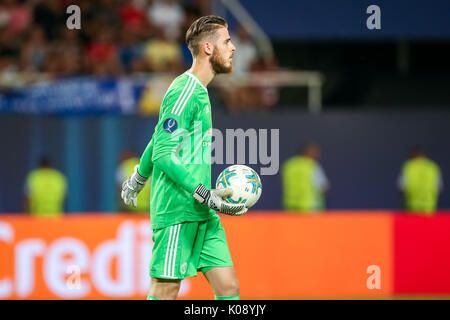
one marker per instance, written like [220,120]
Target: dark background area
[365,75]
[362,153]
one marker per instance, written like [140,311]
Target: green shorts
[181,250]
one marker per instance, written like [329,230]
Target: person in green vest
[45,191]
[129,160]
[304,181]
[420,182]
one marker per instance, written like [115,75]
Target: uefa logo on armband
[170,125]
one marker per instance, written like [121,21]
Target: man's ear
[207,48]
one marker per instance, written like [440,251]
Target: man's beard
[218,64]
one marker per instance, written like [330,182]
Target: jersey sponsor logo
[170,125]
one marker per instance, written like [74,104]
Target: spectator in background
[9,73]
[267,96]
[34,51]
[236,96]
[132,14]
[126,168]
[192,12]
[248,61]
[68,53]
[45,191]
[163,54]
[304,181]
[102,54]
[169,16]
[153,95]
[248,53]
[15,17]
[104,10]
[50,15]
[205,7]
[420,182]
[116,37]
[131,50]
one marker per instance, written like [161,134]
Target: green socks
[235,297]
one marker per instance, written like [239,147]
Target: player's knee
[230,288]
[235,287]
[164,290]
[172,291]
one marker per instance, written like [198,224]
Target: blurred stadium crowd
[117,37]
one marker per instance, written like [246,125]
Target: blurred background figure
[304,181]
[34,51]
[102,54]
[236,96]
[45,191]
[162,54]
[420,182]
[126,168]
[169,16]
[248,52]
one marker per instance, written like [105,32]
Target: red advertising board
[422,254]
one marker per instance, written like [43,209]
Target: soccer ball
[244,181]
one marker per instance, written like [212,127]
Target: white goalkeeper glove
[132,186]
[214,200]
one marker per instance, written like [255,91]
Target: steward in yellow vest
[45,191]
[420,181]
[304,181]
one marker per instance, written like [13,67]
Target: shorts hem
[207,268]
[184,220]
[164,277]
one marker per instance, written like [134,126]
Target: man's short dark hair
[416,151]
[308,146]
[44,161]
[200,28]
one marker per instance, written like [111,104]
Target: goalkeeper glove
[214,200]
[132,186]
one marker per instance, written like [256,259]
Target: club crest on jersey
[183,268]
[170,125]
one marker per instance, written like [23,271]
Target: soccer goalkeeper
[187,234]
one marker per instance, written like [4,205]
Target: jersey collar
[190,74]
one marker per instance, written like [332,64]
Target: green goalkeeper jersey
[181,143]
